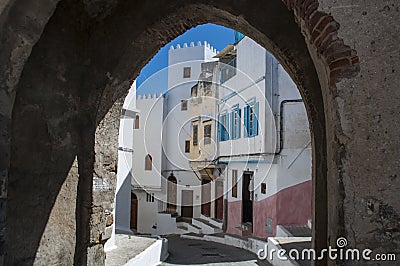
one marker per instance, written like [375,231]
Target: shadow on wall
[123,206]
[41,181]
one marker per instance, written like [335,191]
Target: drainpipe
[275,93]
[281,126]
[272,97]
[216,108]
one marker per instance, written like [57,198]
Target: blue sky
[217,36]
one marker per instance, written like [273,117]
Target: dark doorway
[219,200]
[247,198]
[205,196]
[171,194]
[187,203]
[134,212]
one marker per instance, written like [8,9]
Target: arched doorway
[112,77]
[134,212]
[171,194]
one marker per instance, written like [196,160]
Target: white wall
[122,198]
[147,211]
[264,171]
[148,140]
[293,165]
[296,156]
[249,84]
[177,123]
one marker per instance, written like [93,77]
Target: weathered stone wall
[61,225]
[367,133]
[105,178]
[20,28]
[66,73]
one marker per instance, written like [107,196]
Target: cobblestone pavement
[197,252]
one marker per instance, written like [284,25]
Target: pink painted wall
[263,209]
[234,217]
[295,204]
[290,206]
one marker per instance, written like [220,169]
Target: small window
[148,162]
[251,119]
[137,120]
[195,134]
[228,70]
[149,197]
[234,183]
[235,123]
[263,188]
[193,92]
[223,127]
[186,72]
[187,146]
[184,104]
[207,134]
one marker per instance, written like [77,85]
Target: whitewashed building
[264,142]
[164,186]
[228,141]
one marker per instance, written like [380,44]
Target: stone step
[212,221]
[206,227]
[293,231]
[182,227]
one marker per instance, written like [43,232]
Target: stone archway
[296,59]
[65,88]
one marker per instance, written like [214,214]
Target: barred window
[184,105]
[186,72]
[195,134]
[234,183]
[207,134]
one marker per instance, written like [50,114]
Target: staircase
[293,231]
[208,225]
[168,223]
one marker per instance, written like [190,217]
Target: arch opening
[90,108]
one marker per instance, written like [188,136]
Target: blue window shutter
[246,121]
[255,124]
[239,122]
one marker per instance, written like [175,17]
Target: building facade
[203,145]
[163,181]
[263,141]
[226,147]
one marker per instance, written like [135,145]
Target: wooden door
[134,212]
[219,200]
[187,203]
[247,201]
[171,194]
[206,197]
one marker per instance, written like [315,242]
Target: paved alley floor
[128,248]
[197,252]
